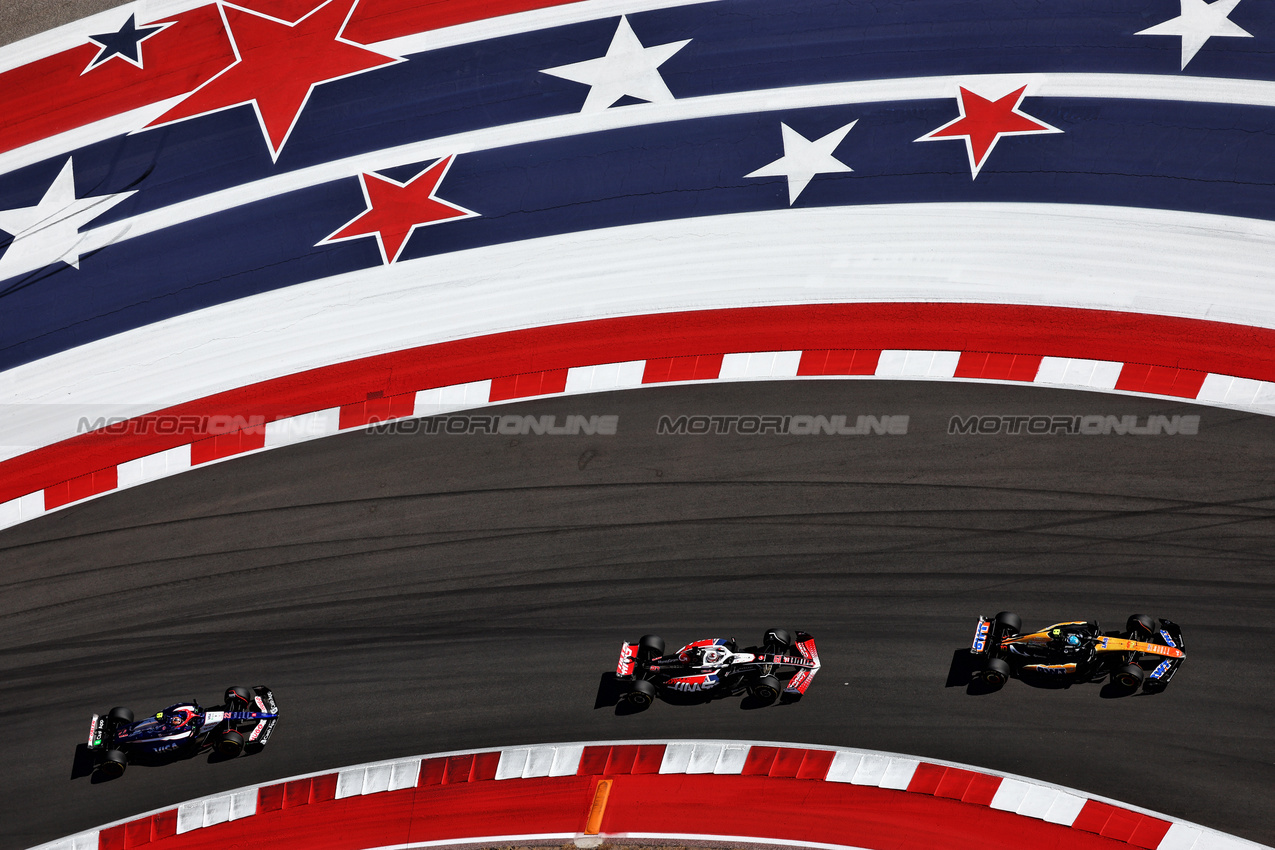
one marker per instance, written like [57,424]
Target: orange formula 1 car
[1144,655]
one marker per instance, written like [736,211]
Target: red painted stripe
[926,778]
[700,367]
[994,366]
[649,758]
[379,409]
[81,488]
[833,362]
[528,384]
[1161,380]
[51,96]
[815,765]
[759,761]
[982,790]
[1052,331]
[1121,824]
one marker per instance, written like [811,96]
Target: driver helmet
[177,717]
[713,655]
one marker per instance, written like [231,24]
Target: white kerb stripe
[871,770]
[154,466]
[1065,808]
[21,509]
[539,762]
[511,763]
[917,364]
[455,397]
[1010,795]
[243,803]
[704,758]
[307,426]
[216,810]
[566,760]
[377,779]
[676,757]
[404,774]
[349,783]
[762,364]
[843,767]
[1179,837]
[1223,389]
[732,760]
[1073,372]
[608,376]
[898,775]
[1037,802]
[190,816]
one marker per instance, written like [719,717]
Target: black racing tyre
[1140,626]
[113,764]
[780,639]
[238,695]
[995,673]
[1129,676]
[766,689]
[1007,623]
[119,715]
[641,693]
[230,744]
[650,646]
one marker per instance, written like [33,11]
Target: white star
[803,159]
[49,231]
[1198,23]
[627,69]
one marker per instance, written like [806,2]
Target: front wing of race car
[267,716]
[808,663]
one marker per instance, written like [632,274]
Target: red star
[395,210]
[277,66]
[983,122]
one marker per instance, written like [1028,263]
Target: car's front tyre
[230,743]
[1129,677]
[765,689]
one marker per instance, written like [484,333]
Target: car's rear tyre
[238,696]
[777,640]
[765,689]
[650,646]
[1129,676]
[641,693]
[1140,626]
[230,744]
[119,715]
[1007,624]
[995,673]
[113,764]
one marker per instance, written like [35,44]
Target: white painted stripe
[566,760]
[871,770]
[732,760]
[1037,801]
[1239,392]
[190,816]
[677,755]
[898,775]
[511,764]
[704,758]
[765,258]
[308,426]
[349,782]
[1086,374]
[844,765]
[404,774]
[539,762]
[1132,86]
[21,509]
[455,397]
[1179,837]
[216,810]
[1064,809]
[608,376]
[764,364]
[1218,841]
[917,364]
[153,466]
[1010,795]
[376,779]
[243,803]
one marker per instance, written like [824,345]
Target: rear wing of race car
[628,660]
[982,636]
[805,646]
[266,715]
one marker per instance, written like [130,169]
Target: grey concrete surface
[21,19]
[414,593]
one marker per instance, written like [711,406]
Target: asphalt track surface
[407,594]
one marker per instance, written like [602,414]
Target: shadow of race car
[245,720]
[783,663]
[1144,655]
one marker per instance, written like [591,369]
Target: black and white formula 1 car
[1144,655]
[246,719]
[783,663]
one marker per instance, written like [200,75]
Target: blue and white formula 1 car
[247,719]
[718,667]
